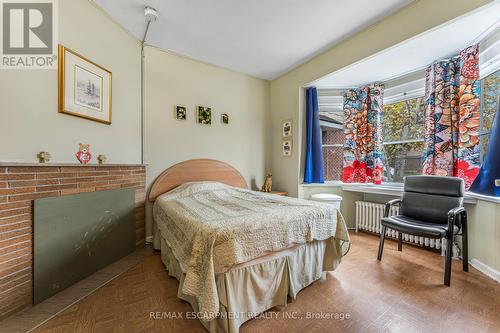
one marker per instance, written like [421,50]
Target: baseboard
[485,269]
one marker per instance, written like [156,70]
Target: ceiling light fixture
[151,15]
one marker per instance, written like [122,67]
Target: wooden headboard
[195,171]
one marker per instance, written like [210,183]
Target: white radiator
[369,214]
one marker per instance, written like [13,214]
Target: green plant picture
[204,115]
[180,112]
[225,118]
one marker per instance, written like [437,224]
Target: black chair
[431,207]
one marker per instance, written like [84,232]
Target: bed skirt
[254,287]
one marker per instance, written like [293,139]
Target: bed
[235,252]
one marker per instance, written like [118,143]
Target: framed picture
[287,148]
[224,118]
[85,88]
[204,115]
[286,128]
[180,112]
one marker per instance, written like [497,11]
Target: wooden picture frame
[85,88]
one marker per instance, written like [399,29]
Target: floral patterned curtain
[452,117]
[363,135]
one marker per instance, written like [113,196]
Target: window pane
[402,160]
[332,156]
[332,136]
[490,91]
[404,120]
[333,163]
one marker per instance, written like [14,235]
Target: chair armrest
[452,216]
[389,204]
[455,211]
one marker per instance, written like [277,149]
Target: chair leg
[465,245]
[447,265]
[400,241]
[381,244]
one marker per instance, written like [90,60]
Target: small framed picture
[286,128]
[84,87]
[204,115]
[180,112]
[224,118]
[287,148]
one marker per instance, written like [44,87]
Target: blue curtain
[490,170]
[314,156]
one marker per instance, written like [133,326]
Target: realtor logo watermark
[28,34]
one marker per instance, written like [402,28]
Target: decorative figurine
[83,155]
[268,183]
[43,157]
[102,159]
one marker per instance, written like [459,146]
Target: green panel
[76,235]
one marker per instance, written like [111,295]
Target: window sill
[483,197]
[336,183]
[394,189]
[385,189]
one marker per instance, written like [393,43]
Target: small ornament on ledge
[102,159]
[43,157]
[83,154]
[268,183]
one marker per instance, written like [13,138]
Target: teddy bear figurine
[83,154]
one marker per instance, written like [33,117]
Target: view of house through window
[331,118]
[332,152]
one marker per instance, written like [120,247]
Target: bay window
[402,127]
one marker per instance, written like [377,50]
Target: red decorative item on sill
[83,155]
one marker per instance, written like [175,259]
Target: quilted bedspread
[211,227]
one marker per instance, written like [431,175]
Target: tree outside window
[490,89]
[403,133]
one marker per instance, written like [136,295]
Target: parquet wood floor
[403,293]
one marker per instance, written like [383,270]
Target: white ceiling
[262,38]
[418,52]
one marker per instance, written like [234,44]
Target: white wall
[29,118]
[171,80]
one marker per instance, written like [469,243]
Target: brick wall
[20,185]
